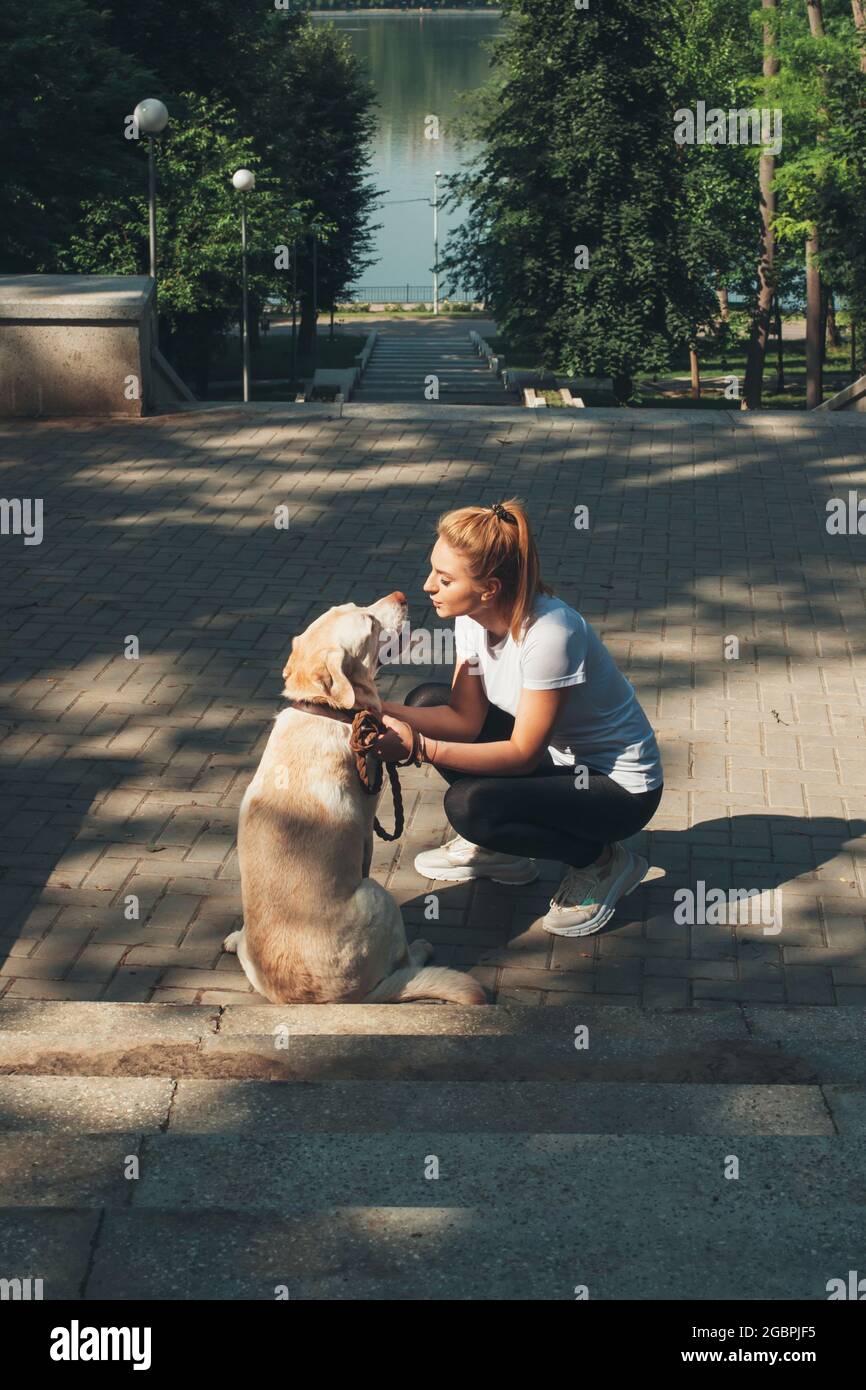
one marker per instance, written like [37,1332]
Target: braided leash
[366,728]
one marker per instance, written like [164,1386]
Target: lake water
[420,65]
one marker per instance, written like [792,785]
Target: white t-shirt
[602,725]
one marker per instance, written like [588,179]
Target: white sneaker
[459,860]
[586,898]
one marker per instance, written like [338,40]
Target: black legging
[541,813]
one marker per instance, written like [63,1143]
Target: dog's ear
[324,674]
[363,629]
[334,681]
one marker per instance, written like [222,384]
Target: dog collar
[344,716]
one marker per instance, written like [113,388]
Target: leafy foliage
[197,217]
[245,85]
[64,92]
[822,177]
[576,127]
[578,151]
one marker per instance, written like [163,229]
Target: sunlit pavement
[706,564]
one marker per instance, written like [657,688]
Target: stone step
[408,375]
[255,1169]
[80,1105]
[424,350]
[408,398]
[450,368]
[749,1045]
[437,348]
[448,333]
[593,1227]
[398,367]
[404,394]
[397,359]
[455,386]
[395,351]
[430,1214]
[427,1180]
[454,359]
[451,364]
[447,382]
[431,368]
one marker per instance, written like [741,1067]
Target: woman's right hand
[396,743]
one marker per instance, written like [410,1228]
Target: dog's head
[335,661]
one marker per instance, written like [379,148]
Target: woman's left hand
[396,744]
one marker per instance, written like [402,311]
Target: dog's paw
[231,942]
[421,951]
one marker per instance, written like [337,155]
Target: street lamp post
[436,177]
[244,180]
[294,309]
[315,296]
[151,118]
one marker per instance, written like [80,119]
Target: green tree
[755,209]
[822,179]
[198,232]
[301,97]
[314,119]
[578,151]
[713,59]
[64,92]
[244,85]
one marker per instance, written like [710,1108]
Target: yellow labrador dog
[317,929]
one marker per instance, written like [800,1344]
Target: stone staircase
[428,1152]
[402,361]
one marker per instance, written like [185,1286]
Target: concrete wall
[75,345]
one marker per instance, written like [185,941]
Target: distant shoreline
[411,9]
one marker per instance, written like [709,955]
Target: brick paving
[121,778]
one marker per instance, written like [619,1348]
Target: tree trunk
[722,296]
[816,18]
[814,296]
[860,22]
[695,366]
[188,349]
[760,328]
[306,328]
[201,376]
[814,354]
[854,372]
[622,388]
[833,338]
[780,351]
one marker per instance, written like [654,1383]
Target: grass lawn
[673,390]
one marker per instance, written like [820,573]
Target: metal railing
[389,294]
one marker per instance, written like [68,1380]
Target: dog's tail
[428,982]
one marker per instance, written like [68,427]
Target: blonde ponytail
[497,543]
